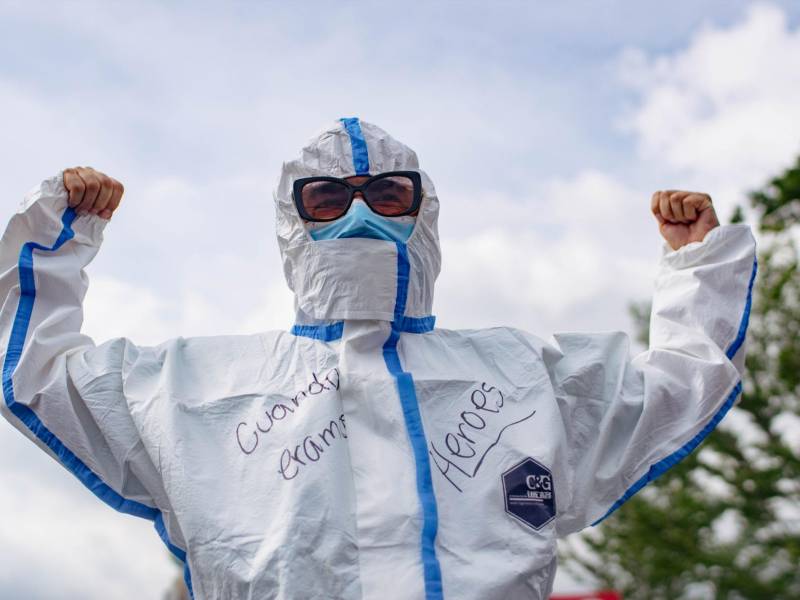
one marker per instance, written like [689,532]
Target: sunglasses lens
[390,196]
[325,199]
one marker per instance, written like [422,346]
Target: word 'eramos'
[311,449]
[248,434]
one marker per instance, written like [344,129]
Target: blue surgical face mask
[361,222]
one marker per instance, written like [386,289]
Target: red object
[603,595]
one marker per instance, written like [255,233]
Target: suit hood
[356,278]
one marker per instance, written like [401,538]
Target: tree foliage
[725,522]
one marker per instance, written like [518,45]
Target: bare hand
[683,217]
[92,192]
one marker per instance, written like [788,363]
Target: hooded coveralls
[364,453]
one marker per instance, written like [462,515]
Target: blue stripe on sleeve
[662,466]
[673,459]
[19,332]
[734,347]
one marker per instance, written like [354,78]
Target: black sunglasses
[390,194]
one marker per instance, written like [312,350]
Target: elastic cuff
[53,198]
[696,253]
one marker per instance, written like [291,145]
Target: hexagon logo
[529,494]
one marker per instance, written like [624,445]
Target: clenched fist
[683,217]
[92,192]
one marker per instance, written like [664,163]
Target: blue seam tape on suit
[405,389]
[16,343]
[358,144]
[404,381]
[662,466]
[416,433]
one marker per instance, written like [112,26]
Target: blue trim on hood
[416,431]
[325,333]
[333,331]
[416,324]
[14,350]
[673,459]
[359,145]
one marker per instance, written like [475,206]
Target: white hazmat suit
[364,453]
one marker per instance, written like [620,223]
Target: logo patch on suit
[529,494]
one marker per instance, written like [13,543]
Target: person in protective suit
[365,453]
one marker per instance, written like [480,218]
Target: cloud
[571,257]
[725,111]
[114,308]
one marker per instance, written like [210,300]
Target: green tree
[725,522]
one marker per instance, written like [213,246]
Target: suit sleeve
[626,421]
[59,389]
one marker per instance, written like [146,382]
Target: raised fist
[683,217]
[92,192]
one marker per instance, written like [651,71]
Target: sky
[545,127]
